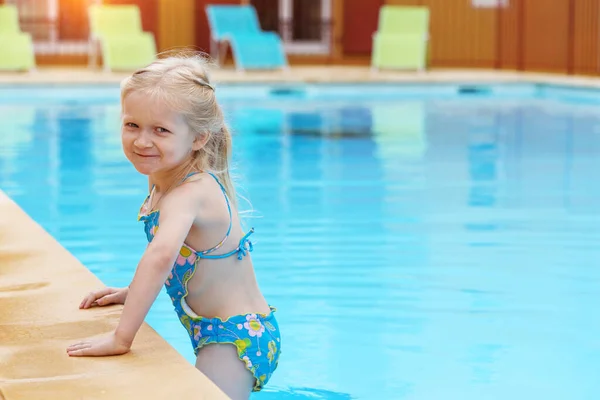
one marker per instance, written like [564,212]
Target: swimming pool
[420,242]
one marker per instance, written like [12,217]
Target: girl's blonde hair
[182,82]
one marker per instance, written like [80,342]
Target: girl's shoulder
[197,189]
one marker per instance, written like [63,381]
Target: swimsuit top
[185,264]
[151,226]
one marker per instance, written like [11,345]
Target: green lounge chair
[16,47]
[118,29]
[401,38]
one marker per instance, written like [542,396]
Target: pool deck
[41,286]
[309,74]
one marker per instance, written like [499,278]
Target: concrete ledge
[41,286]
[310,74]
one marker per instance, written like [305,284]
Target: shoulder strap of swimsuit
[150,197]
[230,217]
[188,175]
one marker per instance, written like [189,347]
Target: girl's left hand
[105,346]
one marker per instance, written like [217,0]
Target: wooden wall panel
[360,22]
[405,2]
[584,58]
[462,35]
[545,35]
[533,35]
[508,34]
[176,24]
[337,37]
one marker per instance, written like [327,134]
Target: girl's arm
[177,214]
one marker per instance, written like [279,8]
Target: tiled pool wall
[109,93]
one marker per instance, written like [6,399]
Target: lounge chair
[239,28]
[16,46]
[401,40]
[118,30]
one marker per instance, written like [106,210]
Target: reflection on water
[414,249]
[300,394]
[400,130]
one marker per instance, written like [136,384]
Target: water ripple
[441,249]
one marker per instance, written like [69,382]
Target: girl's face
[155,139]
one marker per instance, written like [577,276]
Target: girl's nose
[142,141]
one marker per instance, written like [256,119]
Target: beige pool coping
[310,74]
[41,286]
[41,283]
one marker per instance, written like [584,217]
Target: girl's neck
[164,181]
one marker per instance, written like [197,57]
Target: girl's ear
[200,141]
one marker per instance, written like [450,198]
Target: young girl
[173,131]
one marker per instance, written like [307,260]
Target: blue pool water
[419,242]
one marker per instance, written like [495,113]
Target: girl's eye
[162,130]
[130,125]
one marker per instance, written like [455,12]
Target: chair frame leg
[92,53]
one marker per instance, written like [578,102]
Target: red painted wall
[360,22]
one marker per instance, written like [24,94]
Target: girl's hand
[105,346]
[105,297]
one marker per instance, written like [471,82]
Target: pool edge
[311,74]
[36,330]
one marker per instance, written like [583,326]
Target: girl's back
[221,286]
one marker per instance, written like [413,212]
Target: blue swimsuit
[256,336]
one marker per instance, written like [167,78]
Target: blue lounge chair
[239,28]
